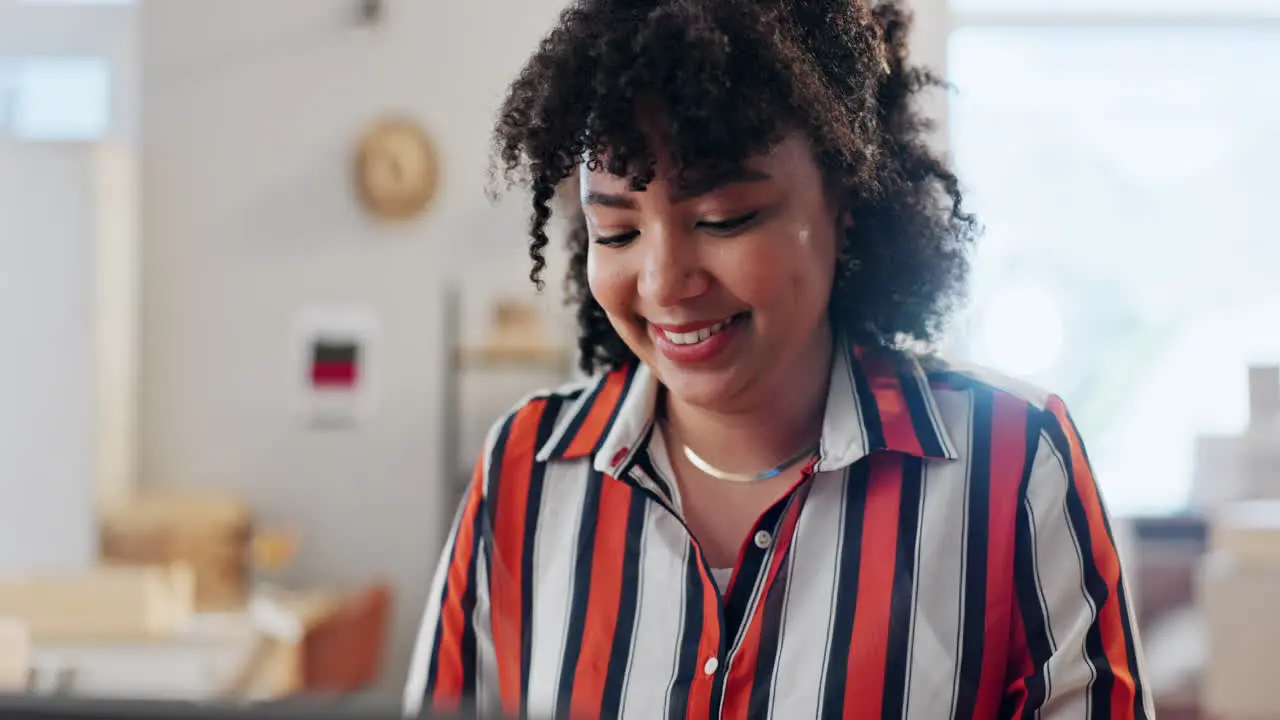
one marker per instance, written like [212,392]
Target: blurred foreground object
[313,642]
[1239,592]
[128,604]
[15,655]
[283,644]
[181,608]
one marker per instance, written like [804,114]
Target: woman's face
[722,287]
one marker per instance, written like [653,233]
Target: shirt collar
[877,399]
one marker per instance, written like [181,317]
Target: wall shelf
[524,355]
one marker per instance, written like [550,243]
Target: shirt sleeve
[1076,652]
[455,639]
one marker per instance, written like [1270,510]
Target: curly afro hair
[733,77]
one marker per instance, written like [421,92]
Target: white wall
[47,427]
[249,110]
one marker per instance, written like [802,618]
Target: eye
[726,227]
[617,240]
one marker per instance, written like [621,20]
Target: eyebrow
[694,188]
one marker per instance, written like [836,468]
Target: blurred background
[259,313]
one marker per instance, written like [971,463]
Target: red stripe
[450,673]
[334,373]
[868,649]
[603,602]
[895,417]
[1008,460]
[700,689]
[506,582]
[1111,621]
[598,416]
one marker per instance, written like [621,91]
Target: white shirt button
[764,540]
[711,666]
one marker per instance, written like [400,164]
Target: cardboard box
[210,533]
[1239,593]
[1242,617]
[1248,531]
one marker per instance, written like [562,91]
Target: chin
[704,387]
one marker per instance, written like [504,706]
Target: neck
[772,421]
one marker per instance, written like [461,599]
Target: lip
[701,352]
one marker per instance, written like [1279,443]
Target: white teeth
[697,336]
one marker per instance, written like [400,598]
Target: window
[54,98]
[1124,174]
[68,69]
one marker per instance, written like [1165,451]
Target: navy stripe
[1038,633]
[581,592]
[871,421]
[771,626]
[631,371]
[973,623]
[921,420]
[1131,650]
[644,462]
[533,508]
[898,656]
[487,535]
[467,651]
[574,429]
[433,668]
[575,423]
[742,586]
[1095,585]
[687,662]
[493,476]
[629,600]
[833,691]
[481,537]
[770,641]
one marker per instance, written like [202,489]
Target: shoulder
[533,420]
[1014,413]
[1001,407]
[948,375]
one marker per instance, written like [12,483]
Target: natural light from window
[54,98]
[1126,179]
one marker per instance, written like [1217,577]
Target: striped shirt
[947,554]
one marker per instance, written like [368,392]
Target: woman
[762,505]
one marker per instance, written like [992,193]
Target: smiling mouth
[693,337]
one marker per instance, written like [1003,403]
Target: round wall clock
[396,169]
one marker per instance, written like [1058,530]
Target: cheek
[792,268]
[815,253]
[607,278]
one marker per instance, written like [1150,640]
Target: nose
[672,270]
